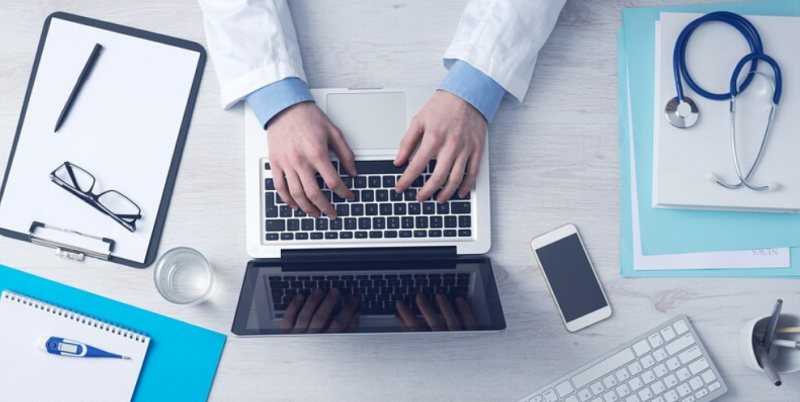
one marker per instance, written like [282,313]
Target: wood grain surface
[554,160]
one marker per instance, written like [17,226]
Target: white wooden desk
[554,160]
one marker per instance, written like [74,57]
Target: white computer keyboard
[667,364]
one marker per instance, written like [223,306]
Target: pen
[771,325]
[79,84]
[64,347]
[765,362]
[785,343]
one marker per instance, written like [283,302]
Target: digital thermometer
[64,347]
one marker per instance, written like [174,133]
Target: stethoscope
[682,112]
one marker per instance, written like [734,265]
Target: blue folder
[626,216]
[182,358]
[673,231]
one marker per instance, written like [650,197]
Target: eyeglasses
[80,183]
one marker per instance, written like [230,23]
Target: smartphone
[571,278]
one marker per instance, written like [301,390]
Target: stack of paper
[672,242]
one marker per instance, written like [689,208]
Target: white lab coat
[253,42]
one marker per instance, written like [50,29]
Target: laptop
[382,248]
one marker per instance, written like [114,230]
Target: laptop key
[413,208]
[450,222]
[395,196]
[405,233]
[435,233]
[356,196]
[393,222]
[428,208]
[379,223]
[336,198]
[456,197]
[301,236]
[464,221]
[348,181]
[276,225]
[367,195]
[400,209]
[350,223]
[363,224]
[450,233]
[375,235]
[390,234]
[386,208]
[266,166]
[287,236]
[421,223]
[410,194]
[361,235]
[418,182]
[420,233]
[293,225]
[278,199]
[269,204]
[360,181]
[408,222]
[299,213]
[328,194]
[272,236]
[322,223]
[331,235]
[307,224]
[374,181]
[464,233]
[316,235]
[286,211]
[372,209]
[357,209]
[342,210]
[379,167]
[346,235]
[459,207]
[431,165]
[337,224]
[388,182]
[436,222]
[382,195]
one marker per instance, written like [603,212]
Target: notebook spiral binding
[75,316]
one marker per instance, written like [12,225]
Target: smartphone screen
[571,277]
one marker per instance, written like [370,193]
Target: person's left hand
[313,314]
[451,131]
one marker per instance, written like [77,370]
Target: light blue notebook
[626,221]
[182,358]
[673,231]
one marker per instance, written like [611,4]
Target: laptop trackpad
[369,121]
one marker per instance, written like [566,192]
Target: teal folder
[182,358]
[626,216]
[673,231]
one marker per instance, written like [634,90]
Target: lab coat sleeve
[252,44]
[502,39]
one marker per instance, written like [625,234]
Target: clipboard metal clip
[56,238]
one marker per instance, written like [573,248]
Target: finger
[401,323]
[444,164]
[343,151]
[304,318]
[471,177]
[430,315]
[466,314]
[407,316]
[447,312]
[415,168]
[354,322]
[299,195]
[279,178]
[291,313]
[334,181]
[320,318]
[314,194]
[455,178]
[343,318]
[409,141]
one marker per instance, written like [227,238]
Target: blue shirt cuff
[475,87]
[274,98]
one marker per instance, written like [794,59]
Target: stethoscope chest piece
[681,114]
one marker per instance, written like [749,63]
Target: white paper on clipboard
[123,128]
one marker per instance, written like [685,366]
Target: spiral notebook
[29,374]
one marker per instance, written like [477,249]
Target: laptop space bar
[604,367]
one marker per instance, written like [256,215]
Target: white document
[123,129]
[684,158]
[30,374]
[768,258]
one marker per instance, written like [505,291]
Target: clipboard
[127,127]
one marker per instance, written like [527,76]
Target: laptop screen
[378,296]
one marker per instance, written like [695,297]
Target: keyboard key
[709,376]
[269,184]
[350,223]
[660,354]
[299,213]
[348,181]
[408,222]
[420,233]
[410,194]
[696,383]
[379,223]
[564,389]
[337,224]
[322,224]
[648,361]
[464,233]
[673,364]
[286,211]
[379,167]
[336,198]
[367,195]
[301,236]
[388,182]
[690,354]
[385,209]
[681,343]
[307,224]
[357,209]
[393,222]
[382,195]
[346,235]
[435,233]
[450,221]
[272,236]
[405,233]
[375,235]
[597,388]
[343,210]
[464,221]
[400,209]
[641,347]
[276,225]
[278,199]
[436,222]
[390,234]
[359,181]
[668,334]
[428,208]
[594,373]
[680,327]
[331,235]
[364,224]
[372,209]
[361,235]
[698,366]
[418,182]
[422,222]
[449,233]
[374,181]
[395,196]
[655,340]
[413,208]
[443,209]
[356,196]
[287,236]
[316,235]
[293,225]
[269,204]
[459,208]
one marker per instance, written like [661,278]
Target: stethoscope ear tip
[773,186]
[712,177]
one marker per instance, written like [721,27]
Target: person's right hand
[409,322]
[299,138]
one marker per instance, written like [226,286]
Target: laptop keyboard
[376,294]
[377,212]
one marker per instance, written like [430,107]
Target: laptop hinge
[370,254]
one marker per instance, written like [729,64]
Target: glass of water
[184,276]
